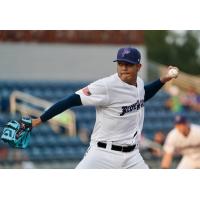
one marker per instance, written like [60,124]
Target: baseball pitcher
[119,100]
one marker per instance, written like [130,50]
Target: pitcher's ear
[139,66]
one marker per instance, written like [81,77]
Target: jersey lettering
[133,107]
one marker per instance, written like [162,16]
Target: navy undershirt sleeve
[60,106]
[152,88]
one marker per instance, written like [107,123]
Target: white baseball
[173,73]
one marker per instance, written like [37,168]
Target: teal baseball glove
[17,134]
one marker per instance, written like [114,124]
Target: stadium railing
[30,105]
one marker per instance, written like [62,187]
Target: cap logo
[125,51]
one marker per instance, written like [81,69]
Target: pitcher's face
[127,72]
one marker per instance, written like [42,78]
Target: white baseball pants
[100,158]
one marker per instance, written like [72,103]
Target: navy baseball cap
[180,120]
[129,55]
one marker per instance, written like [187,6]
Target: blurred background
[37,68]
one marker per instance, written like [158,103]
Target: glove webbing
[22,128]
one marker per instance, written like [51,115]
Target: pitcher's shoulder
[109,79]
[102,82]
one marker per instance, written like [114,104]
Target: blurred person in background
[174,102]
[65,124]
[184,140]
[155,146]
[159,139]
[192,99]
[84,135]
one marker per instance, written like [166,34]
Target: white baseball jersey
[119,109]
[188,147]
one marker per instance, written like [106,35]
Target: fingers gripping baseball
[173,72]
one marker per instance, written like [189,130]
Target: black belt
[116,147]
